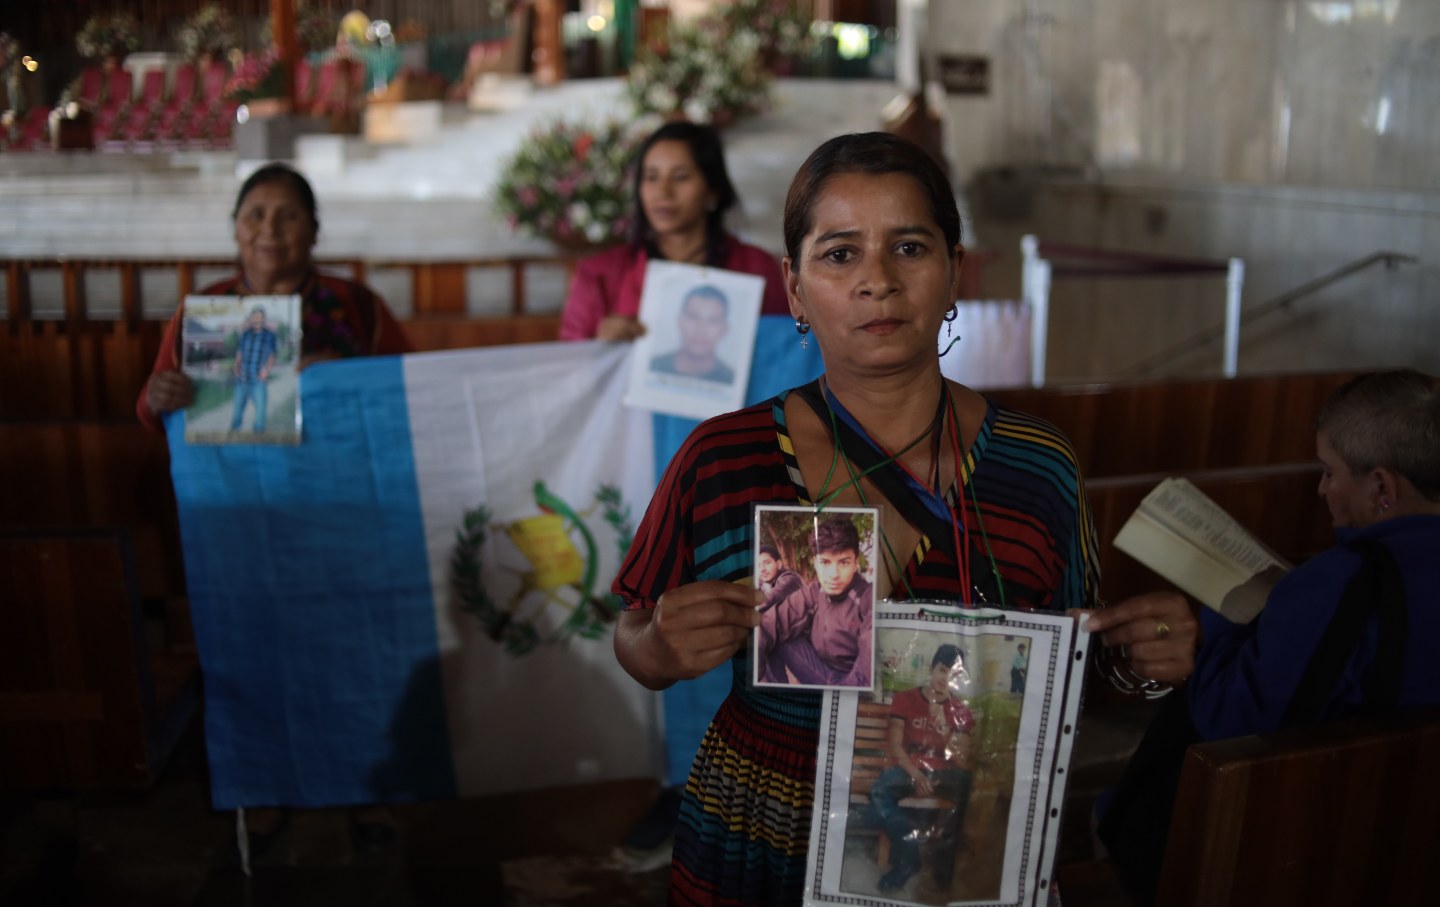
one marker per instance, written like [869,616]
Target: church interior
[1185,224]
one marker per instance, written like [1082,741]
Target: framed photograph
[943,785]
[817,570]
[241,352]
[700,323]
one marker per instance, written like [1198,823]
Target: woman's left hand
[1158,630]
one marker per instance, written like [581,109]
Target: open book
[1187,538]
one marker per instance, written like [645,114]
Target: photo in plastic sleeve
[241,353]
[938,787]
[700,323]
[817,570]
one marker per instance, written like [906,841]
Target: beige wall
[1303,93]
[1298,136]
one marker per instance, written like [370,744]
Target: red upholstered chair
[92,83]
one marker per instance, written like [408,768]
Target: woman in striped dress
[979,503]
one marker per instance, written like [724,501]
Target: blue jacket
[1246,675]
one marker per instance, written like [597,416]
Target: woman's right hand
[692,629]
[619,329]
[169,391]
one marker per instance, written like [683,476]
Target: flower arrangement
[705,72]
[568,182]
[212,30]
[315,28]
[256,76]
[107,35]
[782,28]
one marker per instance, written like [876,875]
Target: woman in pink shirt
[682,192]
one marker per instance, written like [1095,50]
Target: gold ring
[1162,629]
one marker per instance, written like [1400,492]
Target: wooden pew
[1346,813]
[1340,814]
[84,700]
[1182,426]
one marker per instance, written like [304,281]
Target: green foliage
[706,71]
[108,34]
[211,30]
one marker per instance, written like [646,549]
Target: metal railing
[1392,260]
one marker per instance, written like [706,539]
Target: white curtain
[994,347]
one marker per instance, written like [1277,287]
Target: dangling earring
[802,327]
[950,317]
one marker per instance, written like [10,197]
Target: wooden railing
[77,365]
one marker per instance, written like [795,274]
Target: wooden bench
[87,700]
[1343,813]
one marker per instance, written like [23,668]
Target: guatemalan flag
[414,602]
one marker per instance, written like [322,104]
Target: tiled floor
[164,846]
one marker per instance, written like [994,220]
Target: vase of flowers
[258,83]
[570,183]
[782,29]
[108,36]
[704,72]
[211,32]
[315,28]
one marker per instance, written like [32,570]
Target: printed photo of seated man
[703,323]
[821,634]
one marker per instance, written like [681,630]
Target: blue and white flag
[344,663]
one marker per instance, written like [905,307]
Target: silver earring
[802,327]
[950,317]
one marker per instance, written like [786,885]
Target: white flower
[579,215]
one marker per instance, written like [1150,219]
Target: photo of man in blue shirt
[254,358]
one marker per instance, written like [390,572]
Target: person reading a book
[682,195]
[1355,630]
[929,742]
[277,223]
[978,503]
[1371,603]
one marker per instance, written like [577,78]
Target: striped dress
[744,824]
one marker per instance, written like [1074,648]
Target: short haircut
[258,310]
[837,534]
[770,550]
[873,153]
[947,655]
[706,291]
[1387,419]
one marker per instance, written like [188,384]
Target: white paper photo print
[700,323]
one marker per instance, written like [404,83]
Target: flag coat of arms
[414,603]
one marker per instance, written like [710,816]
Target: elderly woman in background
[276,227]
[978,504]
[682,193]
[1355,630]
[1378,440]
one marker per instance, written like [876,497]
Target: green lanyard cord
[965,477]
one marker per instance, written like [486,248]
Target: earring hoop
[802,327]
